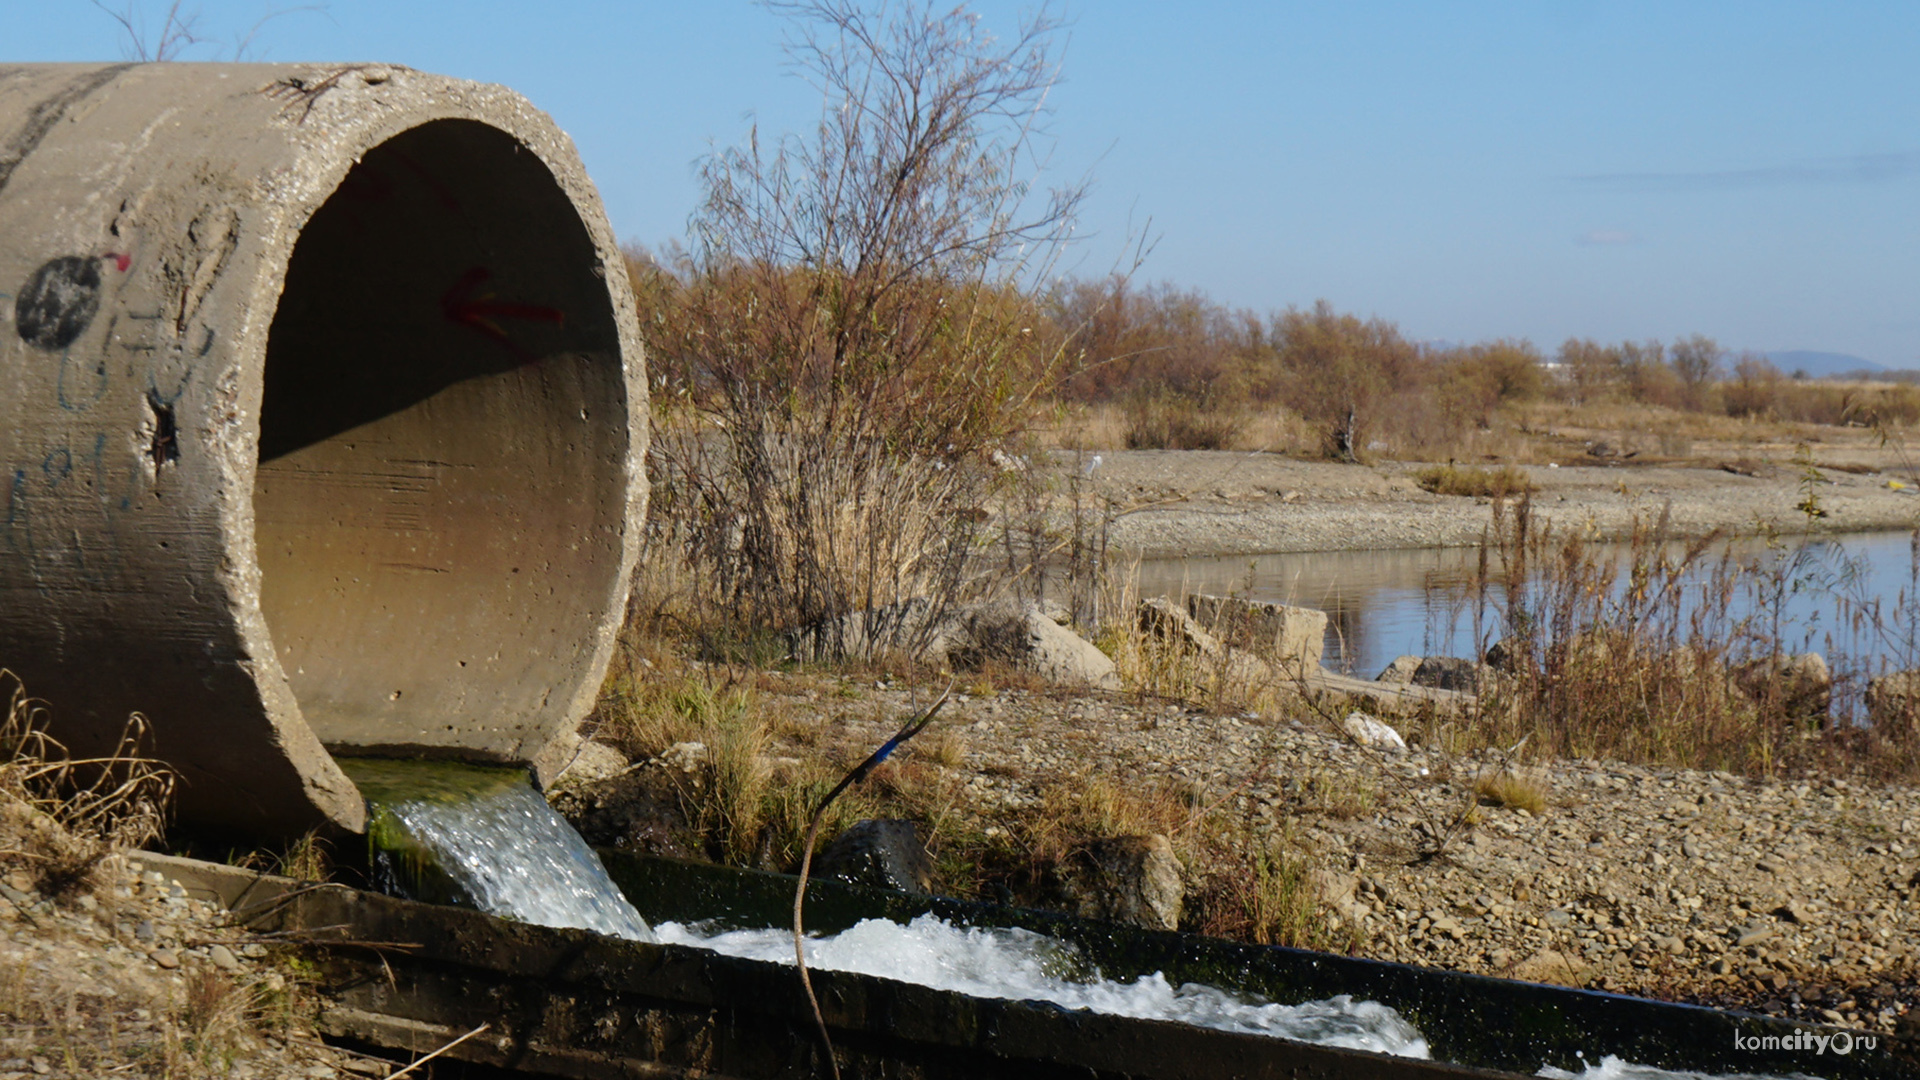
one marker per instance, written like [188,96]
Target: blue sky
[1543,169]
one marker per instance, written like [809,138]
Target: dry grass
[1474,481]
[1511,790]
[60,816]
[1651,658]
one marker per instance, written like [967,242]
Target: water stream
[484,838]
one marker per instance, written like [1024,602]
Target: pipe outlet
[322,427]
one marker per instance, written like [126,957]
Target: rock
[1801,685]
[1368,731]
[684,756]
[1893,701]
[1504,657]
[1400,672]
[1796,911]
[1292,638]
[1022,634]
[1334,888]
[1751,934]
[592,763]
[1127,879]
[881,853]
[1551,966]
[166,959]
[1448,673]
[223,958]
[1167,621]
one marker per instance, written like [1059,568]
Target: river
[1422,602]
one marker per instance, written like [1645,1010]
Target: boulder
[1169,622]
[1505,656]
[1292,638]
[1802,685]
[592,762]
[1449,673]
[1893,700]
[883,853]
[1023,634]
[1400,672]
[1127,879]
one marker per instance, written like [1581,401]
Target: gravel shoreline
[1194,503]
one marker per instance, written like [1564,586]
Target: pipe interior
[441,490]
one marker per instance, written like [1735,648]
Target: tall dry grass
[61,816]
[1663,655]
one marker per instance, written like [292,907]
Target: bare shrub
[1341,370]
[850,337]
[1163,420]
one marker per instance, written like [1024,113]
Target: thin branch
[908,731]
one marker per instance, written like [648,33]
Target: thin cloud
[1857,169]
[1606,238]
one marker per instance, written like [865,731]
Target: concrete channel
[323,423]
[571,1003]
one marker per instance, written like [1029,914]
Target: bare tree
[853,328]
[175,35]
[179,30]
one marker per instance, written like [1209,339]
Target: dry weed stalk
[60,816]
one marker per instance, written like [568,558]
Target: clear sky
[1538,168]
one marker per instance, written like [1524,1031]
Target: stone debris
[1686,884]
[1371,732]
[1127,879]
[116,969]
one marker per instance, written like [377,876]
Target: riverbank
[1791,897]
[1193,503]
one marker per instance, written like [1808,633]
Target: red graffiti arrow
[461,305]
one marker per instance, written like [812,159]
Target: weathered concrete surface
[322,426]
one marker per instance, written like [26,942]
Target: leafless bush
[850,339]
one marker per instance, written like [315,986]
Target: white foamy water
[1612,1068]
[506,852]
[1023,966]
[513,856]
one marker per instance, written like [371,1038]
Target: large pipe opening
[441,489]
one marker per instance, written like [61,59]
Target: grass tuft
[1474,481]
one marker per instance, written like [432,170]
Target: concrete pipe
[322,428]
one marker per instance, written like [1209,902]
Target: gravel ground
[1195,503]
[1794,899]
[134,978]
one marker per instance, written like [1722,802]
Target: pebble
[222,958]
[167,959]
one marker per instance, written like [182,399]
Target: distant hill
[1819,365]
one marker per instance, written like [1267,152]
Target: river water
[1424,602]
